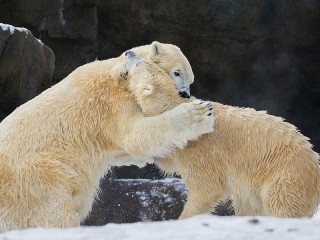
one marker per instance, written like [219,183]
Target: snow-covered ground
[200,227]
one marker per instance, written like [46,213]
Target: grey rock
[126,201]
[26,67]
[68,27]
[138,200]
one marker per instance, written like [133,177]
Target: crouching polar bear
[56,147]
[263,163]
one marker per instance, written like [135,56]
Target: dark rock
[126,201]
[136,200]
[71,32]
[26,67]
[68,27]
[150,171]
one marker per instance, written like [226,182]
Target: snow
[40,41]
[12,29]
[202,227]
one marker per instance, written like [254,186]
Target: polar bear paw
[194,119]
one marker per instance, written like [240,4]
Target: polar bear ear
[132,60]
[156,48]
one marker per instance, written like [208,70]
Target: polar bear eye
[176,73]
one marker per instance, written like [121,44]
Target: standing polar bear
[55,148]
[263,163]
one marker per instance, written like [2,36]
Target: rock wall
[253,53]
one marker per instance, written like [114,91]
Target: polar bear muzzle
[184,94]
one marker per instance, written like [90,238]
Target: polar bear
[55,148]
[169,57]
[260,161]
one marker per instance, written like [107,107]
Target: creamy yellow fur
[56,147]
[263,163]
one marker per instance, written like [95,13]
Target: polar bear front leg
[191,120]
[158,135]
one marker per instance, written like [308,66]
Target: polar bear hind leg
[287,198]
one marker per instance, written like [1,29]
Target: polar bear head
[154,90]
[171,59]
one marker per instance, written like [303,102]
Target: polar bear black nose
[184,94]
[130,54]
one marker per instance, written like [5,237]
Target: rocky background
[252,53]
